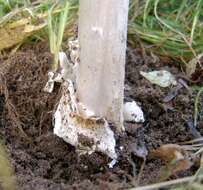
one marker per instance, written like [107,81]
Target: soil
[41,160]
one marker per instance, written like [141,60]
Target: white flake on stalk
[98,30]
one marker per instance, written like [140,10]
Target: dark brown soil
[43,161]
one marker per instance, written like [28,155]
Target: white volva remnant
[87,132]
[132,112]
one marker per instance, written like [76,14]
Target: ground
[41,160]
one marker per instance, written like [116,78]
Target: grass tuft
[171,28]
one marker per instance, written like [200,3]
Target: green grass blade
[62,24]
[196,16]
[146,13]
[52,34]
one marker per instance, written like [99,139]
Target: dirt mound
[43,161]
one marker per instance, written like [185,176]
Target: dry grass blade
[199,140]
[168,184]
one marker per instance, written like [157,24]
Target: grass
[7,6]
[17,8]
[171,28]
